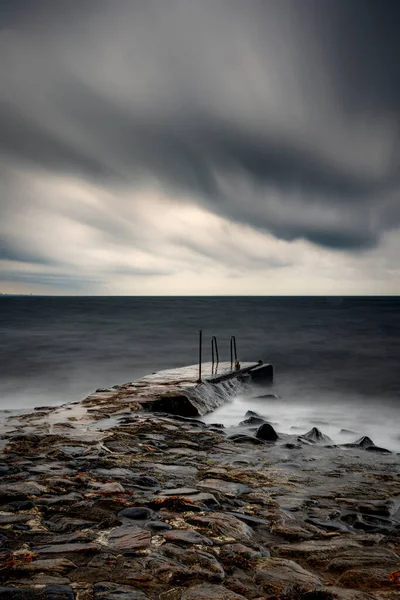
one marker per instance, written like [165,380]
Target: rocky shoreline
[101,500]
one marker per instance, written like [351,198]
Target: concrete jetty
[179,391]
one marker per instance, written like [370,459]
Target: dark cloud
[283,115]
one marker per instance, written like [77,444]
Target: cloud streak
[280,118]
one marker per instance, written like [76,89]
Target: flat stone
[187,537]
[145,481]
[241,438]
[364,557]
[58,565]
[187,563]
[21,505]
[129,538]
[15,518]
[107,590]
[107,488]
[51,592]
[222,524]
[317,552]
[207,591]
[277,572]
[230,488]
[157,526]
[371,578]
[179,470]
[182,491]
[66,548]
[21,490]
[115,473]
[328,525]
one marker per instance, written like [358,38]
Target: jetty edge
[179,392]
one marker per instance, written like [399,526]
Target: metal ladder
[215,354]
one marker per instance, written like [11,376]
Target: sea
[336,360]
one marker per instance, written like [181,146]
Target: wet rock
[364,557]
[370,507]
[182,491]
[51,592]
[129,538]
[230,551]
[62,524]
[67,548]
[21,490]
[275,573]
[157,526]
[47,565]
[317,552]
[266,433]
[206,591]
[327,525]
[179,470]
[229,488]
[315,436]
[241,438]
[115,473]
[252,421]
[371,578]
[145,481]
[21,505]
[107,488]
[201,564]
[222,524]
[55,500]
[187,537]
[107,590]
[137,513]
[363,442]
[9,519]
[172,594]
[378,450]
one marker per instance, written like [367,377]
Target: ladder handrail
[214,353]
[233,350]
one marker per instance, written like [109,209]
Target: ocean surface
[336,360]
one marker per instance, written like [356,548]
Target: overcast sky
[200,146]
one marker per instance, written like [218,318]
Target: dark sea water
[336,359]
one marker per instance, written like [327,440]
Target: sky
[200,147]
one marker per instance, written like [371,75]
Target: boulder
[266,433]
[315,436]
[137,513]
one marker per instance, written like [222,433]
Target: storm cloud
[274,120]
